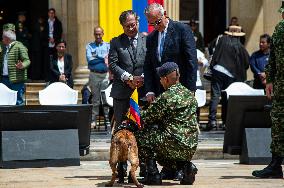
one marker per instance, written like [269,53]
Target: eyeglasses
[157,22]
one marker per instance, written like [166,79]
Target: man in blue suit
[170,41]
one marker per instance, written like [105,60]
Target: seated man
[170,133]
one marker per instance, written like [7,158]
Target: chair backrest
[200,96]
[106,99]
[58,93]
[241,88]
[7,96]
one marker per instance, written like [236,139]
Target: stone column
[87,19]
[79,17]
[60,7]
[250,15]
[271,15]
[172,9]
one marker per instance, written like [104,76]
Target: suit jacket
[57,32]
[179,47]
[68,64]
[121,58]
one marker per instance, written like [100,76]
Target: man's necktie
[132,40]
[162,43]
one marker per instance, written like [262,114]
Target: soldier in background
[275,85]
[170,133]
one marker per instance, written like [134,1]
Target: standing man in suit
[171,41]
[126,60]
[54,26]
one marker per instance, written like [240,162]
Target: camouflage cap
[281,10]
[166,68]
[9,26]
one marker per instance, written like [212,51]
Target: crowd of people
[165,67]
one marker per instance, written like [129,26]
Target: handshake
[135,81]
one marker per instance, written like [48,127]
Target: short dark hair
[123,16]
[51,9]
[266,36]
[61,41]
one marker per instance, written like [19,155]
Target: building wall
[256,17]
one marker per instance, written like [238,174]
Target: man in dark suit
[170,41]
[126,59]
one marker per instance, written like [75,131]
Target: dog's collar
[127,126]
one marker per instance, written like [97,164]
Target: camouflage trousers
[277,129]
[163,147]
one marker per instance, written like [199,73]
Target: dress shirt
[60,64]
[95,55]
[50,34]
[258,61]
[5,62]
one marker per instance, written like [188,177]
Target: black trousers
[220,81]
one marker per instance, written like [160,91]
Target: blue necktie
[162,43]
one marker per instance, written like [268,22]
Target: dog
[124,147]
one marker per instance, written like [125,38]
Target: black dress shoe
[210,125]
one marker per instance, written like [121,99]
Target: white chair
[200,96]
[106,99]
[58,93]
[7,96]
[240,88]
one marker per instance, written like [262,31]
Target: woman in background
[61,65]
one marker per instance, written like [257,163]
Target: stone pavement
[211,173]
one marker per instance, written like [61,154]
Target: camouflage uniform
[275,75]
[175,138]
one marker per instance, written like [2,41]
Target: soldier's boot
[178,175]
[167,173]
[121,171]
[189,172]
[273,170]
[143,169]
[153,176]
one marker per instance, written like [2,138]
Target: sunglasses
[157,22]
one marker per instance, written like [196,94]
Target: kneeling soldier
[170,135]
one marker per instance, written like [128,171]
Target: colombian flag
[109,11]
[134,112]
